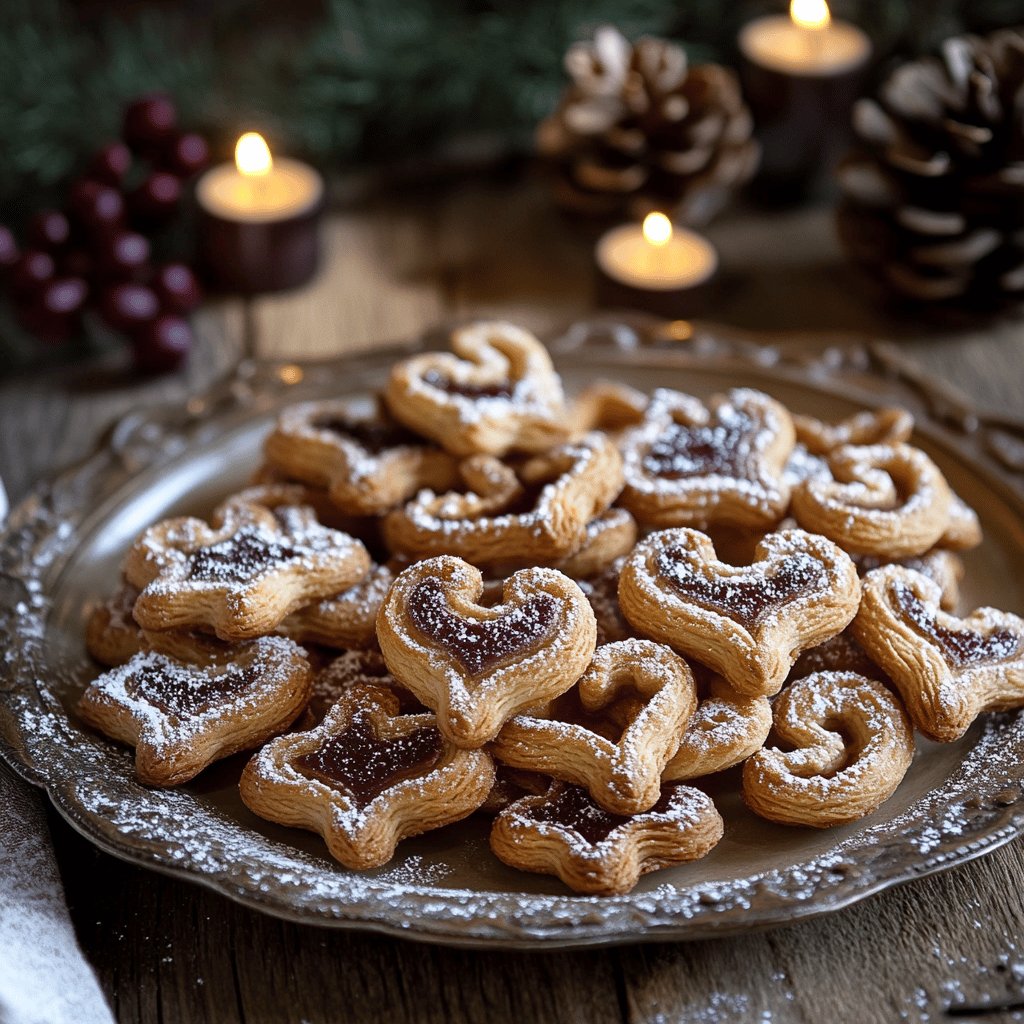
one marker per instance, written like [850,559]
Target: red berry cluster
[96,252]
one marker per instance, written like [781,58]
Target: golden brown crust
[242,576]
[531,834]
[477,666]
[608,406]
[723,732]
[112,636]
[568,487]
[963,531]
[158,704]
[851,744]
[366,462]
[947,669]
[872,426]
[691,464]
[346,621]
[622,775]
[748,623]
[363,834]
[497,393]
[888,499]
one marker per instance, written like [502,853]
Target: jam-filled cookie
[848,745]
[886,499]
[242,576]
[367,462]
[477,666]
[496,392]
[182,715]
[691,464]
[537,513]
[619,765]
[564,833]
[748,623]
[366,778]
[947,669]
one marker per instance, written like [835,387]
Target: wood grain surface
[949,947]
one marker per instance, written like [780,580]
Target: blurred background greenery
[348,82]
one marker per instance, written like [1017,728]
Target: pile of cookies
[471,595]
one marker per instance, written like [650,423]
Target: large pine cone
[638,130]
[934,193]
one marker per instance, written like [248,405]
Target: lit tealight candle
[809,41]
[654,266]
[801,74]
[259,219]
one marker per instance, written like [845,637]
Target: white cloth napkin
[44,979]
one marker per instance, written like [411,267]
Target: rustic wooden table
[949,946]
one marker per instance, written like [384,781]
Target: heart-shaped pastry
[724,731]
[564,833]
[242,576]
[872,426]
[690,464]
[477,666]
[366,778]
[622,773]
[183,713]
[497,393]
[367,461]
[537,513]
[848,745]
[885,499]
[947,669]
[748,623]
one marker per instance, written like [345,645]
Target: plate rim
[994,817]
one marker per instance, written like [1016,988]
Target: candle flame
[252,155]
[810,14]
[657,229]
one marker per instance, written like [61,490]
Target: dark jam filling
[720,449]
[188,692]
[573,808]
[373,435]
[364,765]
[960,647]
[744,597]
[479,646]
[239,558]
[503,389]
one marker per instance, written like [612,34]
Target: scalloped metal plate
[62,546]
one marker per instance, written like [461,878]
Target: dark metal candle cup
[252,241]
[628,277]
[801,108]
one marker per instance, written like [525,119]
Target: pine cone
[934,192]
[639,130]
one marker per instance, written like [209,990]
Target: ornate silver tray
[62,547]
